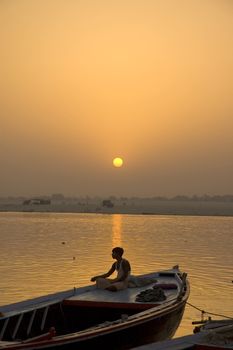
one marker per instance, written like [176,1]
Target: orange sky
[85,81]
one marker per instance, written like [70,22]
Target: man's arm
[107,274]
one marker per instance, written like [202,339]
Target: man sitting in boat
[122,266]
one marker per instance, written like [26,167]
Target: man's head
[117,251]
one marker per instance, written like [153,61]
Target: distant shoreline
[137,207]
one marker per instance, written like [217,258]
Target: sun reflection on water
[116,230]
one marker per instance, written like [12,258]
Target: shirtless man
[122,266]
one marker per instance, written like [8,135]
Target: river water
[43,253]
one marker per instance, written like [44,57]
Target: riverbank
[136,206]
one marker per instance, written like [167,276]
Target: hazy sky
[84,81]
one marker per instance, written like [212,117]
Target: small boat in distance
[149,310]
[211,335]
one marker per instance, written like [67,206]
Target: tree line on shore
[87,198]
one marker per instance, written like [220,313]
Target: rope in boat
[207,312]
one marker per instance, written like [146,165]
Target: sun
[117,162]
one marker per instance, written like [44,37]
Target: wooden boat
[212,335]
[87,317]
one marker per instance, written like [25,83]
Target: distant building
[107,203]
[37,201]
